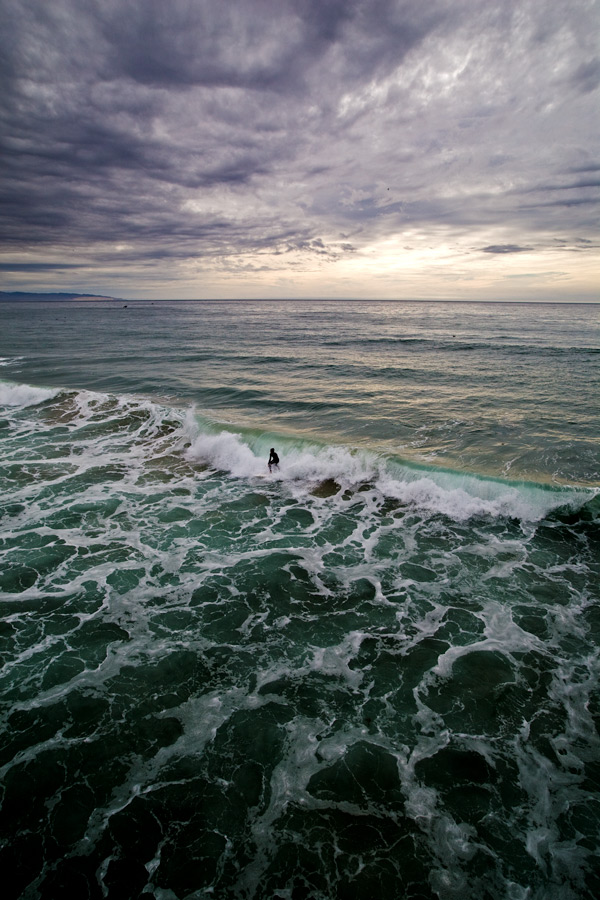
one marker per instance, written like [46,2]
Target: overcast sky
[301,148]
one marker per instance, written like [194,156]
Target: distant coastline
[52,296]
[31,296]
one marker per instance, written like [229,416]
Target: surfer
[273,460]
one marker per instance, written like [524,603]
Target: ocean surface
[372,673]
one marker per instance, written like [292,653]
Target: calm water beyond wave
[373,673]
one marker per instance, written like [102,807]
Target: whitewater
[371,672]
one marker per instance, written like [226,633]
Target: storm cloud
[152,141]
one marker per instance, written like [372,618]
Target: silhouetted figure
[273,460]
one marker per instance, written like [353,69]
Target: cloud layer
[300,147]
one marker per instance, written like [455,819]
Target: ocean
[370,673]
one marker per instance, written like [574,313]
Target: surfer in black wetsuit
[273,460]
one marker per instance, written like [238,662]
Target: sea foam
[22,395]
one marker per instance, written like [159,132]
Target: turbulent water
[370,674]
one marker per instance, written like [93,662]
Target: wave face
[372,672]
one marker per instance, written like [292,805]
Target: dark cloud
[586,77]
[581,184]
[587,167]
[152,131]
[36,266]
[264,45]
[505,248]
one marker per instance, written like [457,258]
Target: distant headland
[27,295]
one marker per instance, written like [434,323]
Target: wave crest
[460,496]
[22,395]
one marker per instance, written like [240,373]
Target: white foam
[461,497]
[335,661]
[22,395]
[227,452]
[502,635]
[338,463]
[230,452]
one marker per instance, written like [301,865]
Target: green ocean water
[370,673]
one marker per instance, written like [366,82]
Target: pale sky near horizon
[301,148]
